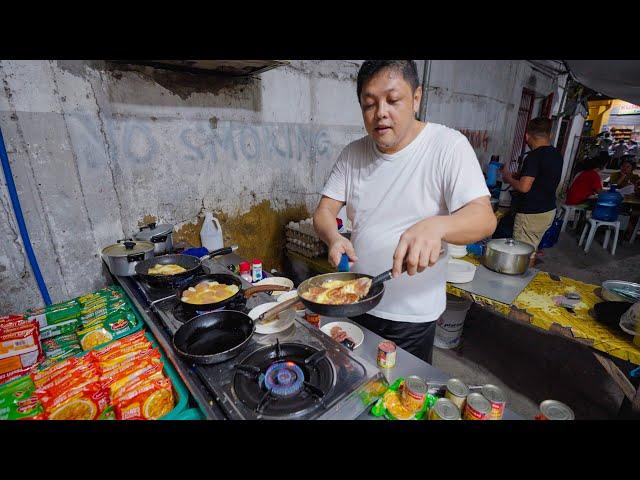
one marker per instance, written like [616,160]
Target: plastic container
[457,251]
[191,414]
[179,389]
[256,270]
[493,169]
[607,204]
[211,233]
[449,326]
[245,271]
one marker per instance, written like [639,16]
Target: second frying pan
[225,279]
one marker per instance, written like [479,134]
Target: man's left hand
[419,246]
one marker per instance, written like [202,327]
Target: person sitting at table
[626,176]
[586,183]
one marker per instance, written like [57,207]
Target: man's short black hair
[369,68]
[539,127]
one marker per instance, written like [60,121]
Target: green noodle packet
[379,410]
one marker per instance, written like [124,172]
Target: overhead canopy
[614,78]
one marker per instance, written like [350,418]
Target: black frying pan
[225,279]
[192,264]
[214,337]
[348,310]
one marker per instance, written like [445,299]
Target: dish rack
[301,238]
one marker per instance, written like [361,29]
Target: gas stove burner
[283,379]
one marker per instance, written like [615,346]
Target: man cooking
[408,187]
[536,185]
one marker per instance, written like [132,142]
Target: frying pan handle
[383,277]
[277,310]
[220,251]
[249,292]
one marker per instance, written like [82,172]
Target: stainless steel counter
[406,363]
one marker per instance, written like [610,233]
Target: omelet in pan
[208,292]
[338,292]
[170,269]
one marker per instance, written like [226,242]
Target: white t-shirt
[385,194]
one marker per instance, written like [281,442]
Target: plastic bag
[380,409]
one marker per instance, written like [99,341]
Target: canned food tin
[477,408]
[444,409]
[496,398]
[554,410]
[457,392]
[414,391]
[386,354]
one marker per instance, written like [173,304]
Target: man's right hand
[339,246]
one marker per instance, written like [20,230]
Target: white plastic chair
[593,225]
[568,212]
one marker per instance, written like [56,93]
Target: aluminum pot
[506,255]
[122,257]
[160,235]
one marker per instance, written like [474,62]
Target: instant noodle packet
[84,403]
[18,400]
[123,362]
[390,405]
[132,374]
[114,326]
[148,400]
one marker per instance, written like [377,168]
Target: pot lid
[127,247]
[147,232]
[509,245]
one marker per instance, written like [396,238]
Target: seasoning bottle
[256,269]
[245,271]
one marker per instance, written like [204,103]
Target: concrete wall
[96,149]
[481,98]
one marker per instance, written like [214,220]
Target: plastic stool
[569,211]
[635,231]
[593,225]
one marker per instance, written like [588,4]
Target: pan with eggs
[208,292]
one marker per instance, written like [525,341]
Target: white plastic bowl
[457,251]
[460,271]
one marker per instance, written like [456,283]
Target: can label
[497,410]
[471,413]
[386,355]
[433,415]
[457,401]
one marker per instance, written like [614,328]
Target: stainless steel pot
[506,255]
[160,235]
[122,257]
